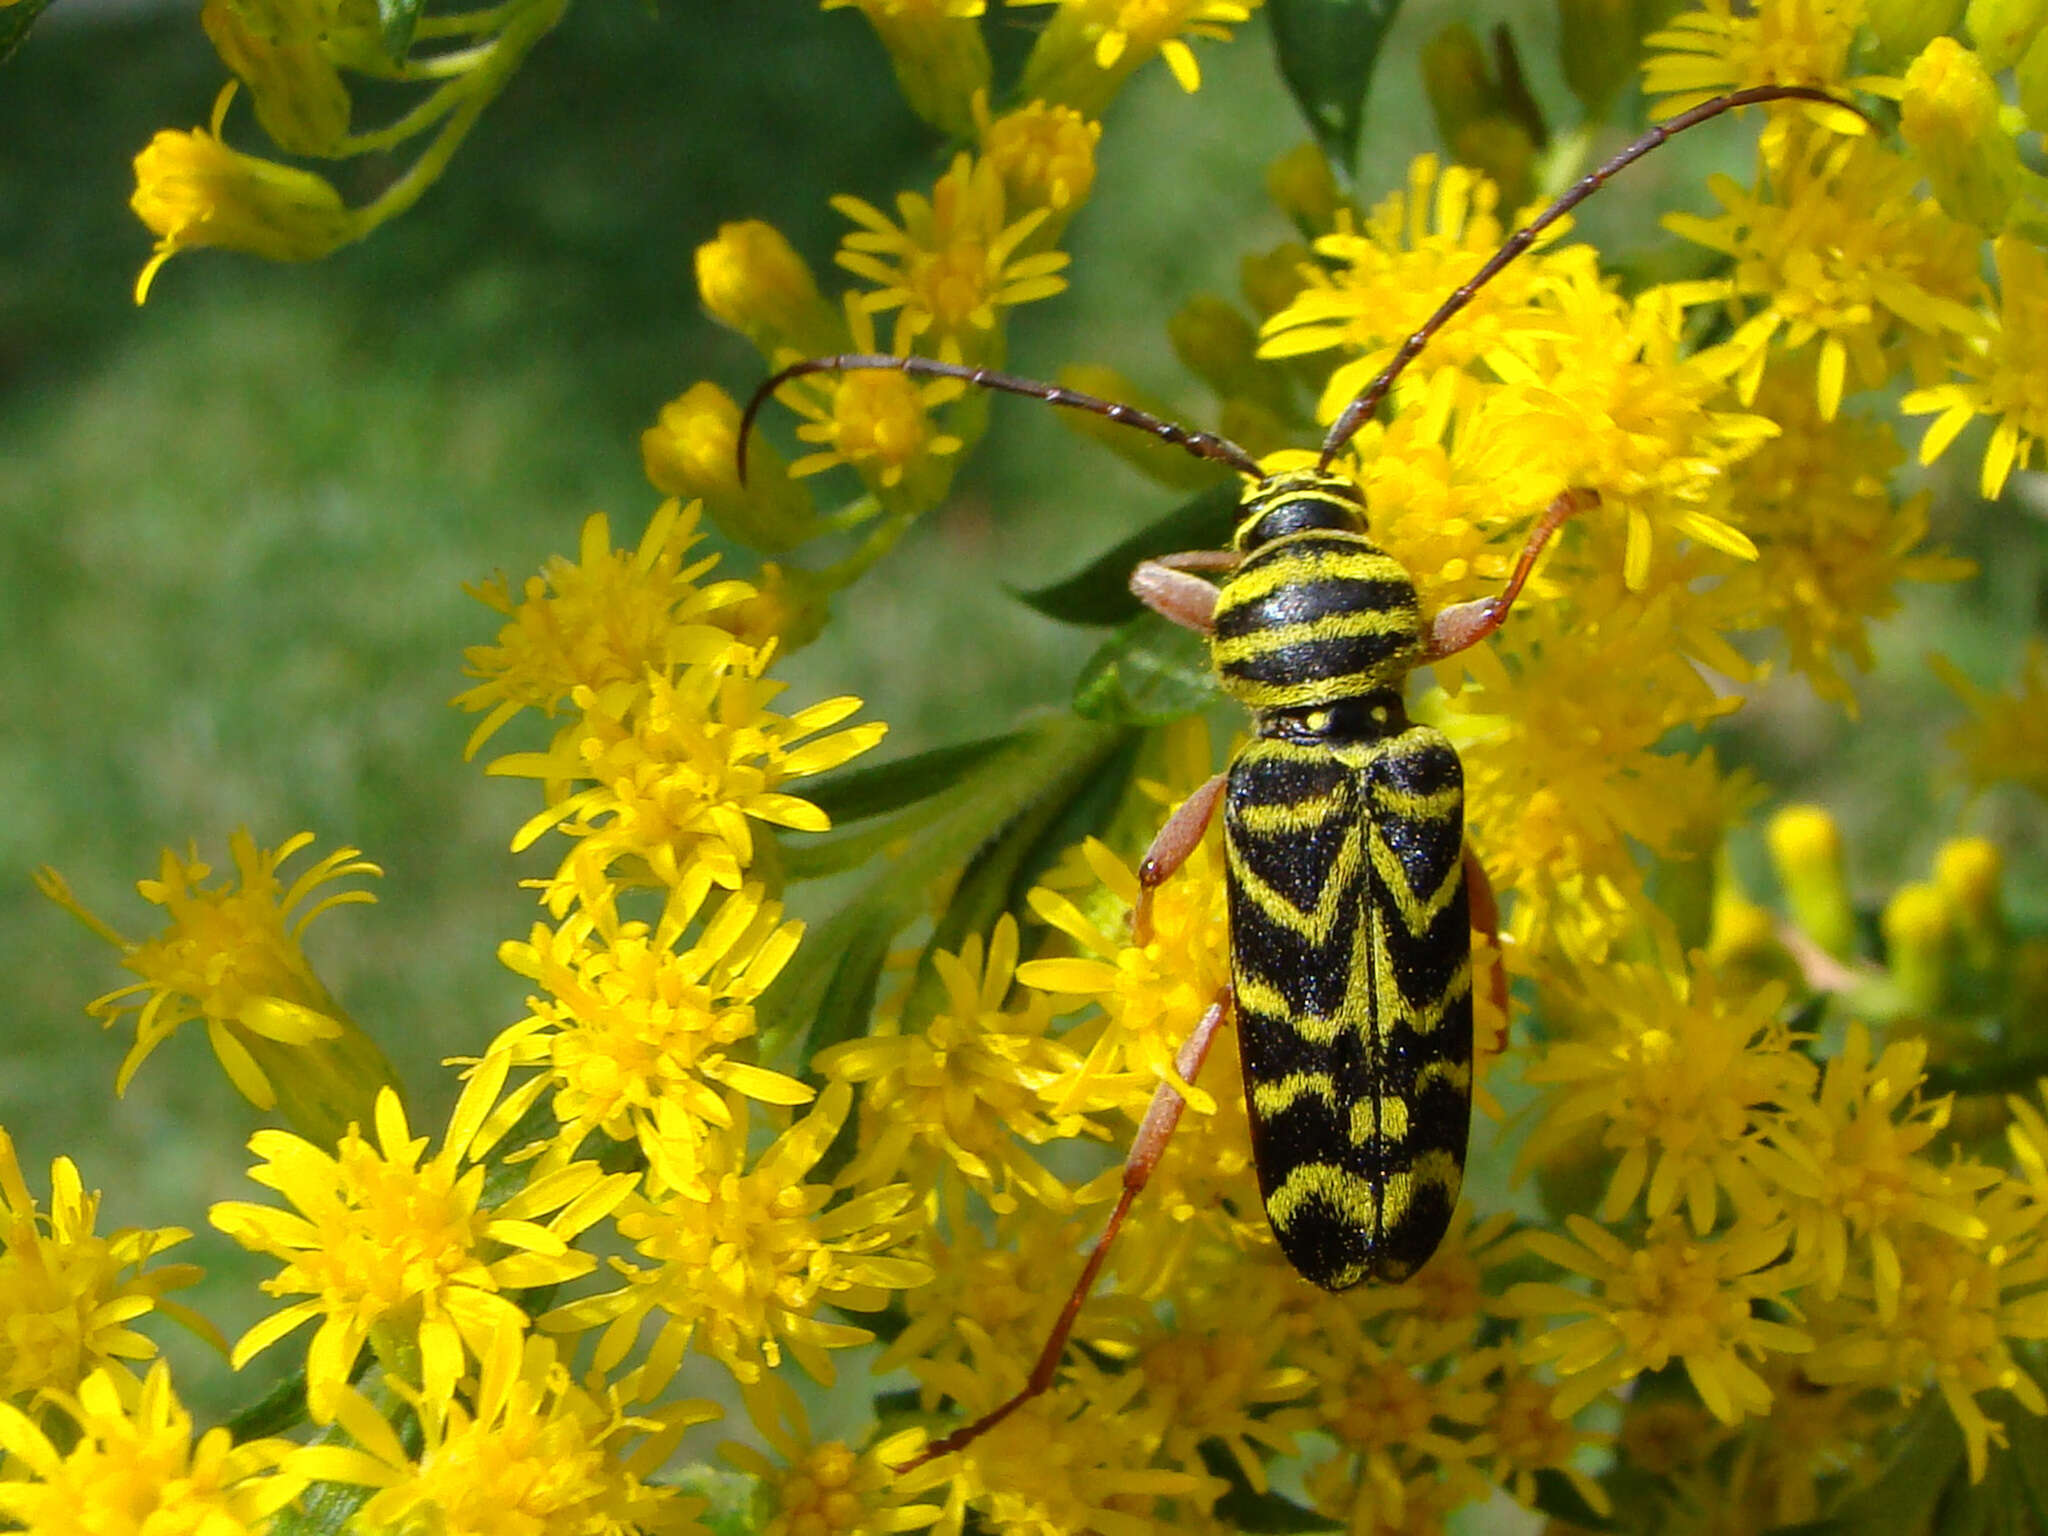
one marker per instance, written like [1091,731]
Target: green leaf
[859,793]
[1926,1458]
[1100,593]
[396,21]
[828,992]
[1244,1508]
[1327,49]
[1149,672]
[15,21]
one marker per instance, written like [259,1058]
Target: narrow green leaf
[1926,1458]
[1100,593]
[827,993]
[396,21]
[858,793]
[1149,672]
[15,21]
[1327,49]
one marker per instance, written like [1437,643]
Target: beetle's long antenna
[1368,399]
[1203,445]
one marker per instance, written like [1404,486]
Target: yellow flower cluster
[1775,1195]
[297,59]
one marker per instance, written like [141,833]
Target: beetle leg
[1466,624]
[1146,1148]
[1485,910]
[1181,835]
[1164,586]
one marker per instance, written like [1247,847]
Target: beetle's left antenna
[1203,445]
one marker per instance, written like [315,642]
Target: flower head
[389,1247]
[192,190]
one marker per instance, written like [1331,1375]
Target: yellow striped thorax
[1315,613]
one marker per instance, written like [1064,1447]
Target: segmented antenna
[1368,399]
[1209,445]
[1203,445]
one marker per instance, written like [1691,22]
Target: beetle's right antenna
[1368,399]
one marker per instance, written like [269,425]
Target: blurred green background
[234,524]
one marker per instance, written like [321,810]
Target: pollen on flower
[70,1294]
[382,1239]
[2000,372]
[1091,47]
[674,768]
[742,1260]
[128,1461]
[969,1090]
[952,263]
[827,1487]
[633,1020]
[1671,1297]
[1722,45]
[1044,154]
[606,617]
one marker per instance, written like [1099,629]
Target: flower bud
[1968,871]
[1045,156]
[940,59]
[2002,29]
[2031,75]
[789,606]
[752,280]
[1919,946]
[1484,112]
[1599,42]
[1903,27]
[692,451]
[1272,280]
[1950,117]
[1806,850]
[299,96]
[192,190]
[1301,186]
[1215,340]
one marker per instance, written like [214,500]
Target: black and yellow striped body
[1351,951]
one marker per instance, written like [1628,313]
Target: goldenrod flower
[952,263]
[877,421]
[130,1463]
[606,617]
[522,1449]
[1841,247]
[1044,154]
[1683,1081]
[192,190]
[1833,546]
[751,278]
[403,1252]
[692,450]
[2001,371]
[1723,45]
[1416,247]
[1853,1168]
[1528,1436]
[68,1295]
[2006,740]
[1396,1406]
[231,955]
[1960,1303]
[1152,995]
[743,1260]
[968,1089]
[677,767]
[1091,47]
[1672,1296]
[827,1487]
[633,1020]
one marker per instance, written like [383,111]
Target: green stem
[2005,1075]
